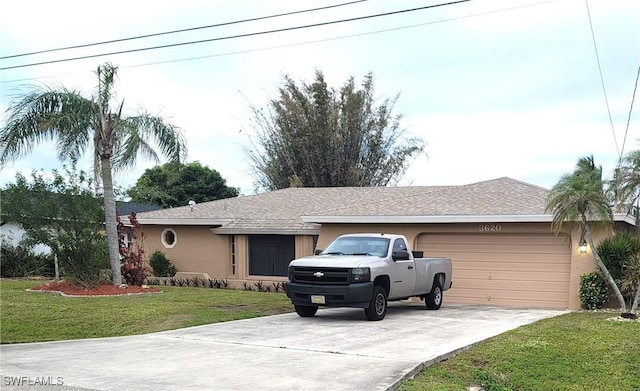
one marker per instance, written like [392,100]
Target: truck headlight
[290,273]
[361,274]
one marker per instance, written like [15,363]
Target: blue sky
[495,88]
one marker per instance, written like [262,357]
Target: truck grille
[322,275]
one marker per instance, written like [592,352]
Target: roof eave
[429,219]
[627,218]
[266,231]
[537,218]
[184,221]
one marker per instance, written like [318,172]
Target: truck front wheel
[433,300]
[306,311]
[378,306]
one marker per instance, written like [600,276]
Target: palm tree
[580,198]
[76,124]
[626,188]
[626,182]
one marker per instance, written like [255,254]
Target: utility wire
[330,39]
[237,36]
[604,90]
[181,30]
[300,43]
[626,130]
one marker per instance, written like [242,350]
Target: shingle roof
[125,207]
[299,209]
[503,196]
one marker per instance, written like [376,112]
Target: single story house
[496,233]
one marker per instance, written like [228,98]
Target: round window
[168,237]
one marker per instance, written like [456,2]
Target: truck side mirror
[317,252]
[400,255]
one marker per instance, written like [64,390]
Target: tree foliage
[580,198]
[61,212]
[97,123]
[175,184]
[316,136]
[625,184]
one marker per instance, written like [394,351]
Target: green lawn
[577,351]
[34,316]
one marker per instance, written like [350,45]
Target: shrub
[134,269]
[21,261]
[621,256]
[161,266]
[82,255]
[593,291]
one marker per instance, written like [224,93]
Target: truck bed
[431,267]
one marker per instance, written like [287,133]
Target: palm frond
[626,181]
[106,79]
[138,134]
[45,114]
[579,197]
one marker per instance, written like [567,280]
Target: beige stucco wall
[196,249]
[412,231]
[199,250]
[583,263]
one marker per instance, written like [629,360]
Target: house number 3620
[490,227]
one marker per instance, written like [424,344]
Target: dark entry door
[269,255]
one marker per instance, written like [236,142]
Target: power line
[633,97]
[236,36]
[181,30]
[302,43]
[604,90]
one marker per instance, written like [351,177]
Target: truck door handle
[409,267]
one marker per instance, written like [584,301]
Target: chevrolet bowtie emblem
[318,274]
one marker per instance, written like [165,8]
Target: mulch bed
[67,288]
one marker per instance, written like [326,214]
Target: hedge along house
[496,233]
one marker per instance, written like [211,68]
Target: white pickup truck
[365,271]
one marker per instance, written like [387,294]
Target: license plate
[315,299]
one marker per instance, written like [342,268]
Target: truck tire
[378,306]
[306,311]
[433,300]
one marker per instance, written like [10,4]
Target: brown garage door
[514,270]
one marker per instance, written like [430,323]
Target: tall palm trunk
[634,307]
[604,270]
[110,221]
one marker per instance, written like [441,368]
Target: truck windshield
[358,246]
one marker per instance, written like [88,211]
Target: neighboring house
[496,233]
[124,208]
[12,232]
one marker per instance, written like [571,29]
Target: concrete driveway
[336,350]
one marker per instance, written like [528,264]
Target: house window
[269,255]
[232,239]
[168,238]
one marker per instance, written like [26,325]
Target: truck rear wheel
[433,300]
[378,306]
[306,311]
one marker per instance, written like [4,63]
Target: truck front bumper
[353,295]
